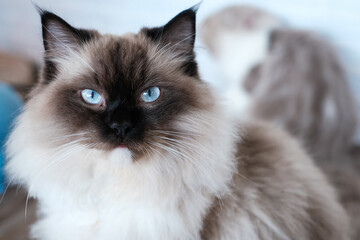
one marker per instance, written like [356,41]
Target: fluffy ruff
[85,193]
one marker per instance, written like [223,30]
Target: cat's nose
[121,129]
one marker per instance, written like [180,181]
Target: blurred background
[21,50]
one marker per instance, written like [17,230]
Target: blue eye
[91,97]
[150,94]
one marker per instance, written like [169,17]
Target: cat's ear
[59,36]
[179,36]
[60,39]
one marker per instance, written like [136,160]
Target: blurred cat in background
[295,81]
[237,38]
[121,139]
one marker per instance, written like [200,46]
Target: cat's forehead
[120,49]
[119,61]
[130,63]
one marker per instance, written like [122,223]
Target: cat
[121,139]
[324,115]
[298,83]
[302,86]
[267,64]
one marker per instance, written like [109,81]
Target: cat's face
[118,92]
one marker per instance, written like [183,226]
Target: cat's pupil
[149,92]
[92,94]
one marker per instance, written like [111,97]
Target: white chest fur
[95,200]
[110,219]
[109,207]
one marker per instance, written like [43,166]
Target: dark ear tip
[49,17]
[44,14]
[191,11]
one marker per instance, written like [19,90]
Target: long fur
[192,172]
[86,194]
